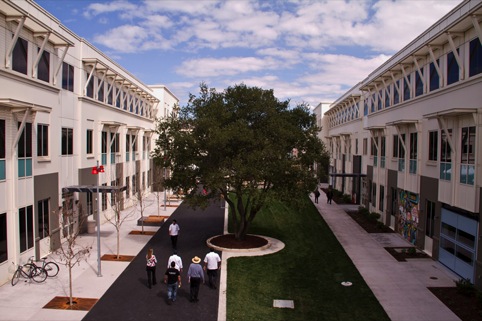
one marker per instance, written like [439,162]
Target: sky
[306,51]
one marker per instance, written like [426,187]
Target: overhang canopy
[93,189]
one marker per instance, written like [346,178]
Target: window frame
[67,141]
[20,56]
[42,140]
[68,76]
[433,145]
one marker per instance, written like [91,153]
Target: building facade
[65,107]
[406,142]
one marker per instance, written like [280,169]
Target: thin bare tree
[142,204]
[71,253]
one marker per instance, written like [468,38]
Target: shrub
[380,225]
[363,211]
[374,216]
[412,250]
[465,287]
[346,198]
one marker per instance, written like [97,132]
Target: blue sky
[306,51]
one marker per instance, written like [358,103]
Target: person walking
[151,268]
[195,275]
[174,232]
[317,195]
[177,261]
[212,263]
[172,278]
[329,196]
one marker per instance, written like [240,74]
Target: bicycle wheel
[52,269]
[38,274]
[16,277]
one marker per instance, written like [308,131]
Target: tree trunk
[71,301]
[118,242]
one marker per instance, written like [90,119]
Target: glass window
[430,219]
[445,156]
[433,145]
[418,83]
[111,92]
[24,151]
[19,56]
[374,194]
[67,77]
[406,88]
[43,67]
[434,77]
[100,90]
[2,149]
[42,140]
[382,198]
[372,103]
[379,100]
[90,139]
[90,86]
[25,219]
[467,161]
[396,93]
[382,151]
[365,107]
[43,218]
[413,153]
[365,147]
[475,59]
[67,141]
[3,238]
[103,147]
[452,68]
[387,97]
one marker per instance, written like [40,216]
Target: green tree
[242,141]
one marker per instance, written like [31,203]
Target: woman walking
[151,268]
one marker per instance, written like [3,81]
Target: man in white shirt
[177,260]
[212,263]
[174,232]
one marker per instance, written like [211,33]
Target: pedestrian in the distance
[317,195]
[172,278]
[212,263]
[329,196]
[174,232]
[177,261]
[151,268]
[195,275]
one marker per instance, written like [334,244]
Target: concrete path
[400,287]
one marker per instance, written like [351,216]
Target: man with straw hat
[195,275]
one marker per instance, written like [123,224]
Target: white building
[64,105]
[406,141]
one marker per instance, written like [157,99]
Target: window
[372,104]
[19,56]
[413,153]
[89,142]
[134,147]
[452,68]
[374,150]
[381,198]
[379,100]
[365,147]
[374,194]
[100,90]
[382,151]
[110,92]
[43,67]
[128,187]
[434,77]
[128,147]
[67,141]
[43,218]
[114,145]
[432,145]
[418,83]
[365,107]
[134,185]
[24,151]
[396,93]
[475,59]
[25,227]
[2,149]
[103,148]
[445,156]
[467,160]
[356,146]
[3,238]
[430,220]
[399,151]
[387,97]
[90,86]
[406,88]
[42,140]
[67,77]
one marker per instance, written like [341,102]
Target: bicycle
[50,267]
[29,271]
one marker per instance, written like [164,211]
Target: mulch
[230,242]
[63,303]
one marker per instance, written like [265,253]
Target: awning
[93,189]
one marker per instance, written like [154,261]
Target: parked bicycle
[50,267]
[29,271]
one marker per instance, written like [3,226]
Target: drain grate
[289,304]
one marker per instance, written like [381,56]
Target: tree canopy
[243,141]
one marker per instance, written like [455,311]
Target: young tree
[117,205]
[142,204]
[70,252]
[242,141]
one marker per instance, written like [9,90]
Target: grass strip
[309,271]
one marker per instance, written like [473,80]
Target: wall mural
[408,217]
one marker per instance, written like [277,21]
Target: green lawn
[308,270]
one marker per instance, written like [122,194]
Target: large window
[3,238]
[103,147]
[67,141]
[100,90]
[475,59]
[25,227]
[387,97]
[2,150]
[89,141]
[114,146]
[43,68]
[365,147]
[418,83]
[445,156]
[399,151]
[374,150]
[467,160]
[396,93]
[413,153]
[434,77]
[406,88]
[430,221]
[128,147]
[452,68]
[43,209]
[90,86]
[374,194]
[67,77]
[382,151]
[372,103]
[19,56]
[433,145]
[24,151]
[42,140]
